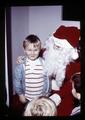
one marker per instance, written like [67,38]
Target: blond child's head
[42,106]
[32,46]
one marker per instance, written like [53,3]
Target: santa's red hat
[70,33]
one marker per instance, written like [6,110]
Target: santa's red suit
[71,34]
[67,103]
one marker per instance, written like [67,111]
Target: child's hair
[76,79]
[41,106]
[32,39]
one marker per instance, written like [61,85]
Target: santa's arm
[64,91]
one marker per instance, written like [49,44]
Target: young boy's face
[32,51]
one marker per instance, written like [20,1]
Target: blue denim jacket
[19,81]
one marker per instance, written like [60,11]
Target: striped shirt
[34,81]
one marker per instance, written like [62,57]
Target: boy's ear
[74,92]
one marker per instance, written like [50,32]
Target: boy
[30,79]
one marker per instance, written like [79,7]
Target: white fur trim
[74,54]
[62,42]
[56,98]
[54,85]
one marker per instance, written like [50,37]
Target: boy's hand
[20,59]
[22,98]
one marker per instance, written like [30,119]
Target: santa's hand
[54,85]
[20,59]
[22,98]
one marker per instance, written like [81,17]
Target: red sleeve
[66,105]
[72,68]
[67,99]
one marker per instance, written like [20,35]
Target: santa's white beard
[56,62]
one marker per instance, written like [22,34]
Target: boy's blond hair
[33,39]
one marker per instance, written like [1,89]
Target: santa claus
[61,61]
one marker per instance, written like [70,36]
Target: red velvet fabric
[67,100]
[67,103]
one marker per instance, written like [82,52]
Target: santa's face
[64,44]
[57,56]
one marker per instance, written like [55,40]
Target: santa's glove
[56,98]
